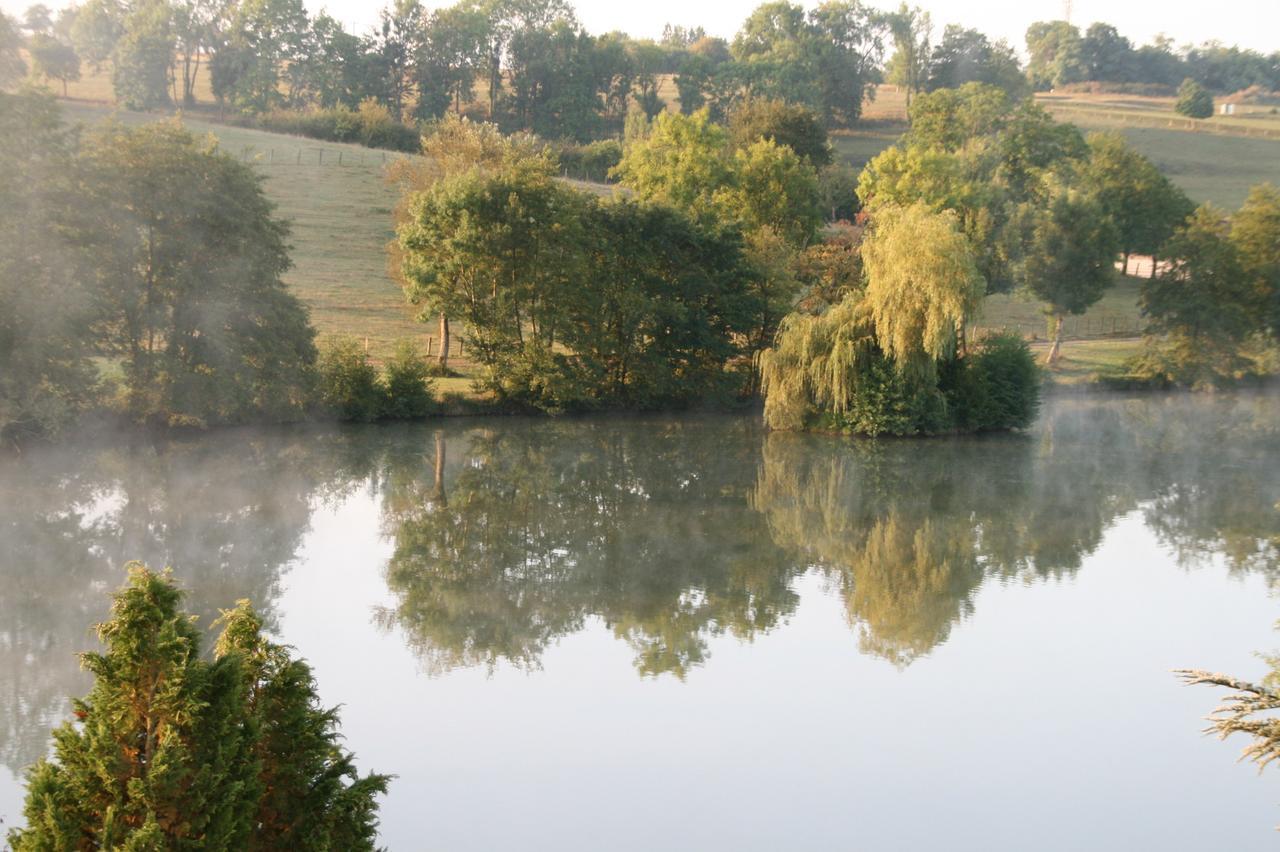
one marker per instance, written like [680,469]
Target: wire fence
[309,155]
[1077,328]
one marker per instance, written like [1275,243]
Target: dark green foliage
[142,57]
[1194,100]
[793,125]
[1255,232]
[824,58]
[887,401]
[1200,309]
[659,323]
[340,124]
[187,259]
[1145,206]
[162,755]
[592,161]
[1070,254]
[948,118]
[996,386]
[838,189]
[570,302]
[1056,55]
[967,56]
[46,311]
[408,385]
[171,751]
[349,388]
[312,797]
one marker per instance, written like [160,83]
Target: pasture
[339,203]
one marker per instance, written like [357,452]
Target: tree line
[530,65]
[1060,55]
[987,194]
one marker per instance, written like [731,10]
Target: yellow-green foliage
[922,284]
[816,363]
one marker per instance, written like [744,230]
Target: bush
[888,402]
[349,385]
[408,384]
[371,125]
[592,161]
[1194,100]
[997,387]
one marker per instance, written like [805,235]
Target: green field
[339,203]
[340,207]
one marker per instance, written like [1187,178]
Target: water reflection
[508,535]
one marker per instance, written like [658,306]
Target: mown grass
[1084,362]
[1216,160]
[339,204]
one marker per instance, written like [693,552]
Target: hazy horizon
[1248,23]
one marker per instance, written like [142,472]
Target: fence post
[339,157]
[322,156]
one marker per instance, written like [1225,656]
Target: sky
[1248,23]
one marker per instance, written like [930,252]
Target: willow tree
[869,362]
[815,363]
[923,284]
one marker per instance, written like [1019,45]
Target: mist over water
[688,633]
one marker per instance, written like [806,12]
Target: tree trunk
[444,343]
[1055,351]
[438,495]
[1125,268]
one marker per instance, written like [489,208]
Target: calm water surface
[683,633]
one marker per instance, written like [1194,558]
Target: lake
[682,632]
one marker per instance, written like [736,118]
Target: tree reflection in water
[511,534]
[674,531]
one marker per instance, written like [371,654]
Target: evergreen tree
[1194,100]
[170,751]
[161,755]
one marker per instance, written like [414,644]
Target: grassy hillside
[1217,159]
[340,206]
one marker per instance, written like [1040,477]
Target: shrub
[997,386]
[1194,100]
[886,401]
[592,161]
[371,126]
[408,385]
[349,386]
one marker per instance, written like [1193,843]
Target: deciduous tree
[1069,259]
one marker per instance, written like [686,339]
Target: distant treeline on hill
[530,65]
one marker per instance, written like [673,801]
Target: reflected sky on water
[683,632]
